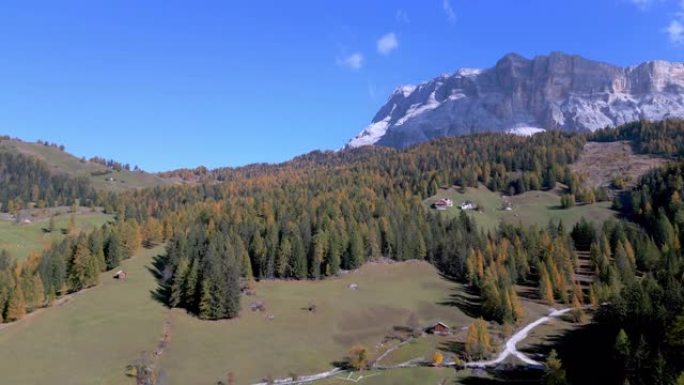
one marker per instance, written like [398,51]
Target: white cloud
[449,10]
[642,4]
[388,43]
[675,31]
[402,16]
[353,61]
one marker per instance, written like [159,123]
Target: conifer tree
[545,287]
[518,311]
[284,256]
[178,280]
[84,268]
[190,285]
[16,305]
[114,253]
[332,259]
[320,245]
[96,245]
[355,253]
[554,373]
[205,309]
[258,254]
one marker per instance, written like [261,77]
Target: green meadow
[529,208]
[89,339]
[21,239]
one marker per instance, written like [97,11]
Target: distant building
[120,275]
[440,328]
[443,204]
[468,205]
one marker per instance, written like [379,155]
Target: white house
[468,205]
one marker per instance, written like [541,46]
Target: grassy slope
[423,347]
[64,162]
[91,338]
[489,203]
[532,207]
[542,206]
[21,239]
[302,342]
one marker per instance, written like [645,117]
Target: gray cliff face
[555,92]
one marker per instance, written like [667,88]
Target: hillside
[101,177]
[336,249]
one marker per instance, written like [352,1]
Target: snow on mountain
[519,95]
[525,131]
[370,134]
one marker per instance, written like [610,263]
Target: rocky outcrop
[556,92]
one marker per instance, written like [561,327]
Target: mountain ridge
[557,91]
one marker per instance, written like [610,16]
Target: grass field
[64,162]
[301,342]
[94,335]
[532,207]
[539,207]
[488,202]
[423,347]
[22,239]
[89,339]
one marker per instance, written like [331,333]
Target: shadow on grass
[466,299]
[508,376]
[529,291]
[162,275]
[455,347]
[586,353]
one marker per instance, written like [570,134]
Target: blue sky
[168,84]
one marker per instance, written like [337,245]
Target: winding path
[510,349]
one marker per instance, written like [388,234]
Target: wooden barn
[440,328]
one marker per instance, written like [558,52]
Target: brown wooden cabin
[440,328]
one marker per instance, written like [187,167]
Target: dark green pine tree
[115,250]
[332,257]
[297,267]
[177,283]
[355,253]
[96,245]
[190,284]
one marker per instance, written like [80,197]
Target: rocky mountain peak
[557,91]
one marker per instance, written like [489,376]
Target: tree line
[25,179]
[665,137]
